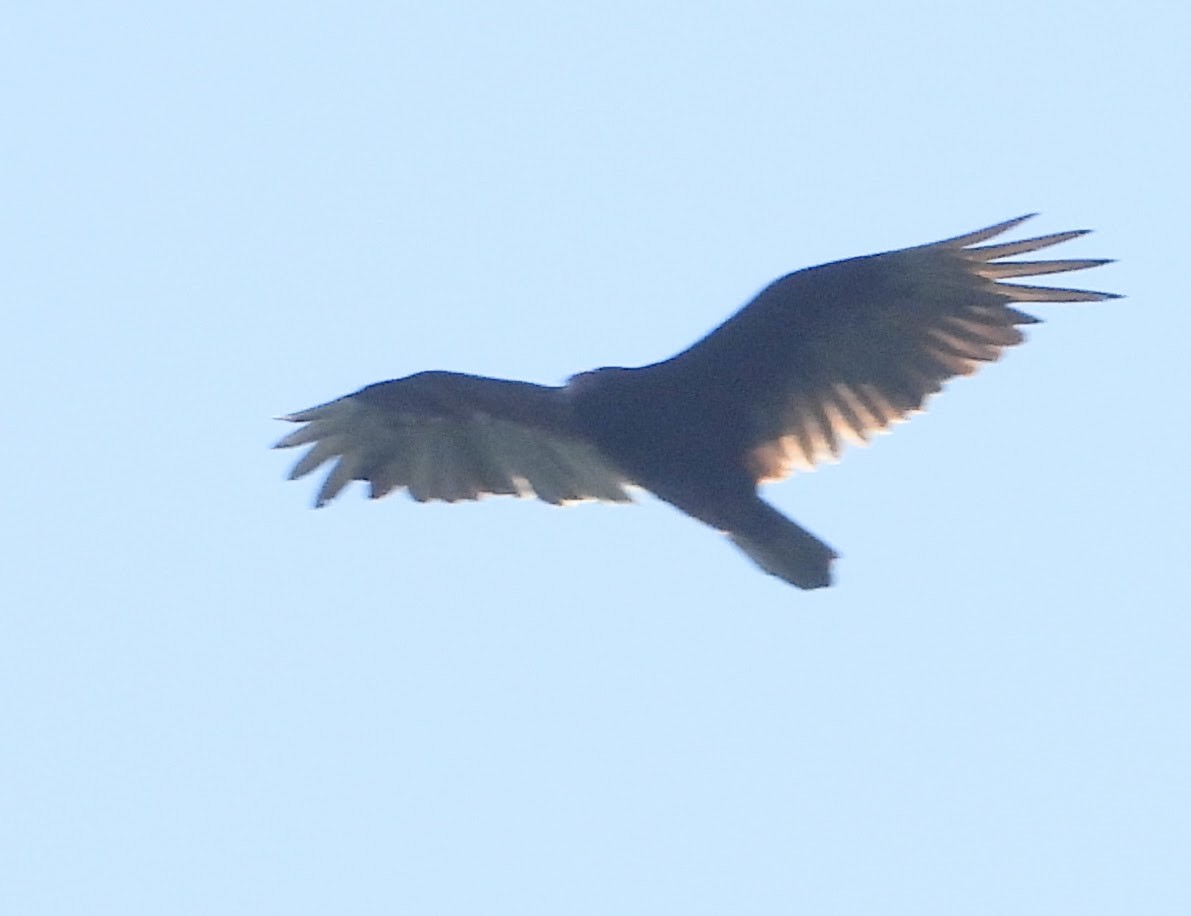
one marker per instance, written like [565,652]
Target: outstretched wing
[451,437]
[841,351]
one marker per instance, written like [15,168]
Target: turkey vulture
[823,356]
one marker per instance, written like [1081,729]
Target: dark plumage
[820,357]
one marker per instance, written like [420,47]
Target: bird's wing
[451,437]
[841,351]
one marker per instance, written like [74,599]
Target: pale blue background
[216,701]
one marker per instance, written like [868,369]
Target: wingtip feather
[980,235]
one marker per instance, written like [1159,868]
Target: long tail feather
[785,549]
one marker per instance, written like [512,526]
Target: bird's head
[583,382]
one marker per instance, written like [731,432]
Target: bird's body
[820,357]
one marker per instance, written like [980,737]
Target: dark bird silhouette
[821,357]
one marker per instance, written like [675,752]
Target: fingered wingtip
[981,235]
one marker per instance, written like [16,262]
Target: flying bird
[821,357]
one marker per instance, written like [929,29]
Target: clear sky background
[214,700]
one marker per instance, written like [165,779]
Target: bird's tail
[783,548]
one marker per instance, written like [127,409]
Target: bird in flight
[819,358]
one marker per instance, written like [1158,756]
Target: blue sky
[215,700]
